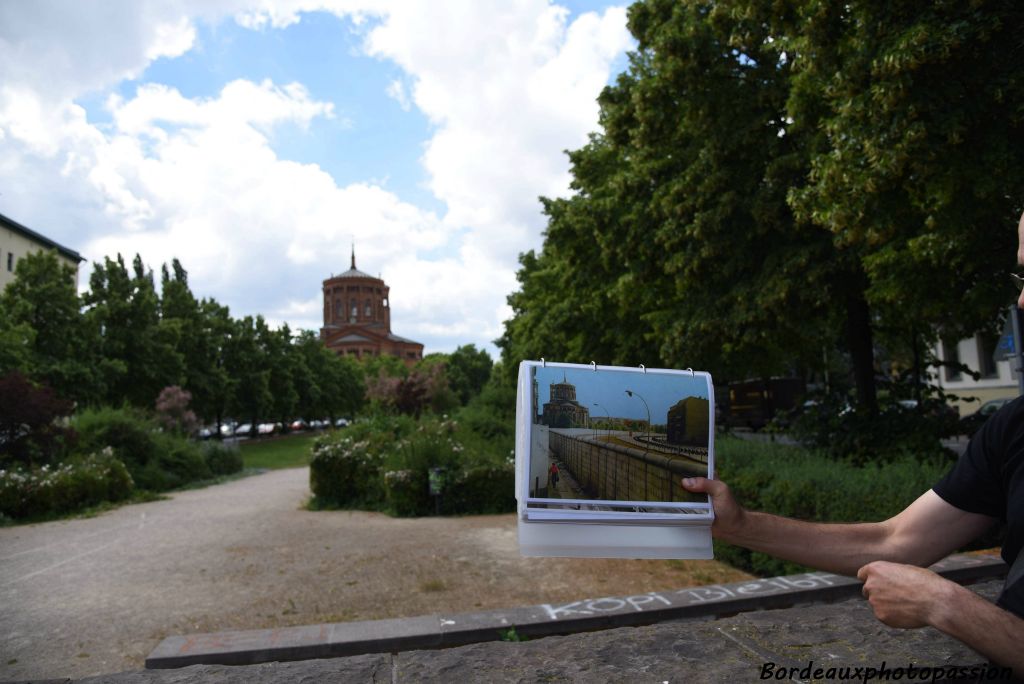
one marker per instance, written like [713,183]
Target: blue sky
[256,140]
[608,388]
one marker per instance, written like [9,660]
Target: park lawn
[285,452]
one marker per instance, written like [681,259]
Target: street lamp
[631,393]
[608,415]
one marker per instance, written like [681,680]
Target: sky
[608,388]
[258,140]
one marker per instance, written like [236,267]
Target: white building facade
[997,377]
[17,240]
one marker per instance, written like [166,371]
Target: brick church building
[357,318]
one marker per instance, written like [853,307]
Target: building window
[10,262]
[986,355]
[951,355]
[385,302]
[353,311]
[368,309]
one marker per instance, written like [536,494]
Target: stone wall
[613,472]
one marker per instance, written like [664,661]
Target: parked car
[243,430]
[973,422]
[299,424]
[341,422]
[266,428]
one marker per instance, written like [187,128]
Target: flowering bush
[407,493]
[76,484]
[384,464]
[172,410]
[345,473]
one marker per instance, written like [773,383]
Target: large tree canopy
[776,183]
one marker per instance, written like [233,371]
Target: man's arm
[926,531]
[908,597]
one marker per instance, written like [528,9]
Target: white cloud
[507,86]
[396,91]
[510,86]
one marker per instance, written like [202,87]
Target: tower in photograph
[562,409]
[357,318]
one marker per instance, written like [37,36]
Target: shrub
[808,485]
[222,459]
[408,492]
[29,429]
[345,473]
[77,484]
[384,464]
[156,460]
[172,410]
[128,431]
[841,432]
[178,462]
[484,489]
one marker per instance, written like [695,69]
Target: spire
[353,255]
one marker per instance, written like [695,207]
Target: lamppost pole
[631,393]
[607,415]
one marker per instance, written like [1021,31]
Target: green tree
[919,166]
[343,385]
[678,246]
[42,331]
[283,363]
[468,370]
[246,362]
[139,353]
[200,329]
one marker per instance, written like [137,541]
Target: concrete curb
[439,631]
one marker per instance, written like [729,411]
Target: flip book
[600,453]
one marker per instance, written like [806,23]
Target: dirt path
[94,596]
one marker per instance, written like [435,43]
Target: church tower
[357,318]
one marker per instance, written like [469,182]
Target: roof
[11,224]
[396,338]
[352,337]
[354,273]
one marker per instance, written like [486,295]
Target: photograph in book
[603,439]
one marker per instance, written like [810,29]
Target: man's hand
[904,596]
[729,515]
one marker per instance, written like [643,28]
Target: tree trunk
[862,354]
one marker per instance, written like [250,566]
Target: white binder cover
[600,452]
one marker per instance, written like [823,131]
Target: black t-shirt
[989,479]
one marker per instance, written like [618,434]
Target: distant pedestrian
[553,474]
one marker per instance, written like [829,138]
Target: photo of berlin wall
[616,436]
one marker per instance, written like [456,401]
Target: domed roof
[354,272]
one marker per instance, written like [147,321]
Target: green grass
[286,452]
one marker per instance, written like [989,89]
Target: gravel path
[95,595]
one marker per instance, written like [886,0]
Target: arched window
[368,309]
[353,310]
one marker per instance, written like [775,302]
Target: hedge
[807,485]
[384,464]
[71,486]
